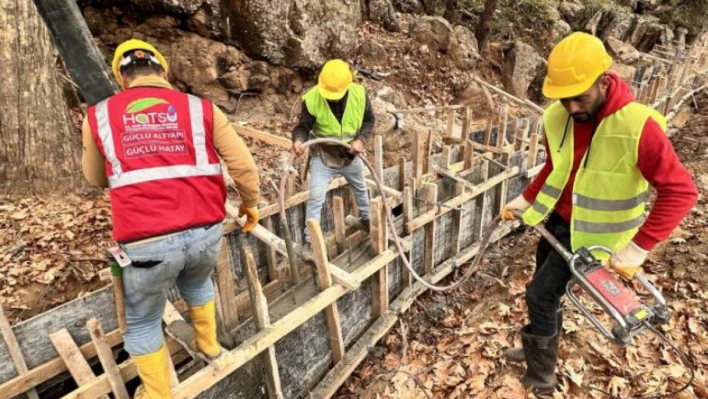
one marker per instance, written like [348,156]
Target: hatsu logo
[133,112]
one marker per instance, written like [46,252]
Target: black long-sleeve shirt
[307,121]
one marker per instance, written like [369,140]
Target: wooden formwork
[286,339]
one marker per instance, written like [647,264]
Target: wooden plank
[455,202]
[489,148]
[466,119]
[339,226]
[224,278]
[450,124]
[324,281]
[502,188]
[105,355]
[402,173]
[468,155]
[262,319]
[418,155]
[428,109]
[71,355]
[497,90]
[428,152]
[488,133]
[262,136]
[343,278]
[379,243]
[446,153]
[456,233]
[296,199]
[483,204]
[431,197]
[501,133]
[378,154]
[17,359]
[529,173]
[533,151]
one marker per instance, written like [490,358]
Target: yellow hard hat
[334,80]
[574,65]
[130,45]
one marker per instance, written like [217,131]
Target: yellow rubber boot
[204,321]
[154,372]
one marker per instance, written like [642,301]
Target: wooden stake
[15,353]
[324,281]
[488,132]
[224,278]
[105,355]
[450,124]
[262,319]
[447,150]
[378,153]
[418,155]
[402,173]
[468,155]
[71,355]
[482,205]
[340,227]
[503,188]
[379,243]
[456,234]
[406,277]
[501,133]
[428,152]
[466,124]
[431,197]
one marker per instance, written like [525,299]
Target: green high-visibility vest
[609,192]
[326,124]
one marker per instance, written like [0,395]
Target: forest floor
[451,345]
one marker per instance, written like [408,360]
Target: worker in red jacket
[603,150]
[158,149]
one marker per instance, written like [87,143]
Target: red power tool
[630,316]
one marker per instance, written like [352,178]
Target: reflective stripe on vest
[119,178]
[609,192]
[326,124]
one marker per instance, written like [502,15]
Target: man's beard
[594,109]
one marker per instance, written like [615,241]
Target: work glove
[357,147]
[517,204]
[628,261]
[252,215]
[298,148]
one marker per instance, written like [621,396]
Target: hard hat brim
[331,95]
[560,92]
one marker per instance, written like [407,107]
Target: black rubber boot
[516,354]
[541,354]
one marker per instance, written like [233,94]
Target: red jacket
[162,167]
[658,163]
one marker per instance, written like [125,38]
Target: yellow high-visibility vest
[609,192]
[326,124]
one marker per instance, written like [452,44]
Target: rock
[560,30]
[207,67]
[285,81]
[702,183]
[434,32]
[463,48]
[647,5]
[177,6]
[667,36]
[294,32]
[434,7]
[571,11]
[162,26]
[382,13]
[620,27]
[385,121]
[259,76]
[206,21]
[472,94]
[521,66]
[101,23]
[646,35]
[373,54]
[622,51]
[408,6]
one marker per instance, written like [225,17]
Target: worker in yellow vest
[339,109]
[603,150]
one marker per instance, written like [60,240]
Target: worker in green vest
[603,151]
[339,109]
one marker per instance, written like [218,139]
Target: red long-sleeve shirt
[657,161]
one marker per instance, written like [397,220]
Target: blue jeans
[321,175]
[187,259]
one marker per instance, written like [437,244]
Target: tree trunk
[482,32]
[40,148]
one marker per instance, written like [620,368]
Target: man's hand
[252,216]
[357,147]
[298,148]
[517,204]
[628,261]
